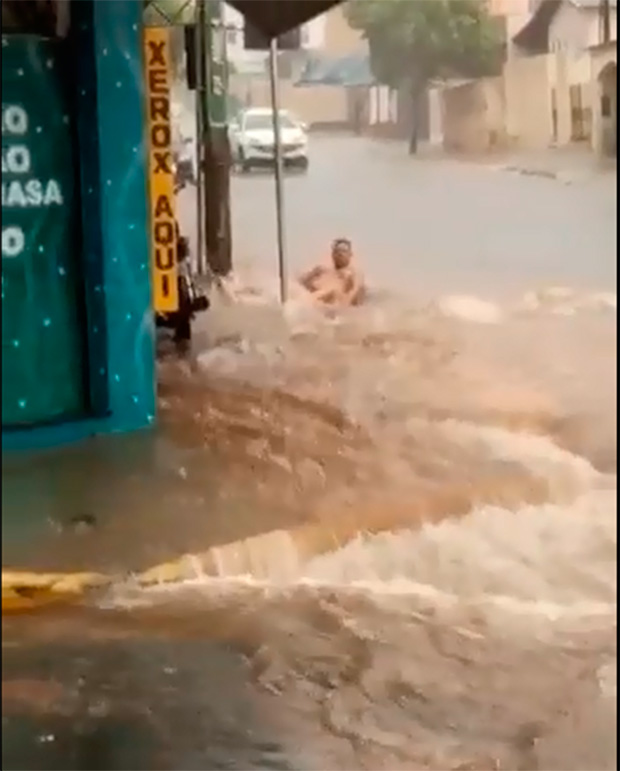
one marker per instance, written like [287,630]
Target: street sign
[217,67]
[161,171]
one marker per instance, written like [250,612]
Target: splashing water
[448,598]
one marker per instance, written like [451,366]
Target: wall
[516,14]
[512,110]
[313,33]
[575,29]
[540,101]
[529,118]
[339,38]
[107,44]
[572,34]
[435,117]
[604,80]
[327,32]
[315,105]
[473,116]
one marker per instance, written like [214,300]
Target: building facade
[557,86]
[77,322]
[320,106]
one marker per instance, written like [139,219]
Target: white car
[253,144]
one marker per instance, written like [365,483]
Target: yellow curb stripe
[23,590]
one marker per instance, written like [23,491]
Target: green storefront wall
[80,306]
[42,354]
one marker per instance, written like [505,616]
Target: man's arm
[307,278]
[355,292]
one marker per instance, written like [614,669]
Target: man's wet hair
[341,242]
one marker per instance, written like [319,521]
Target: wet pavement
[478,632]
[431,225]
[88,704]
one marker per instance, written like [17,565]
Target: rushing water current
[429,577]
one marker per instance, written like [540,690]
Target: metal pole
[200,135]
[275,105]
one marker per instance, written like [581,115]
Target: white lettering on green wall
[15,159]
[32,193]
[12,241]
[14,120]
[20,188]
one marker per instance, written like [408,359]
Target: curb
[24,591]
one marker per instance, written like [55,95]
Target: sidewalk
[567,164]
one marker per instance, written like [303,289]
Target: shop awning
[347,71]
[274,17]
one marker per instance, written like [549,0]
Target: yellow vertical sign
[161,172]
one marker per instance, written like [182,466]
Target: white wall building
[577,26]
[312,37]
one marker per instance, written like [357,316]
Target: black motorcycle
[192,299]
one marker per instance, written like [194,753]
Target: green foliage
[420,40]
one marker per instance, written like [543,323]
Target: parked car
[252,140]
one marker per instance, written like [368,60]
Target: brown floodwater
[401,532]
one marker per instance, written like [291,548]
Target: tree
[413,42]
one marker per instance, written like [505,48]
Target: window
[579,114]
[231,36]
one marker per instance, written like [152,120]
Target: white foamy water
[482,637]
[549,558]
[471,309]
[486,641]
[448,598]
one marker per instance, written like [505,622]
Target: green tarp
[42,374]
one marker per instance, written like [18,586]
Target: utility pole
[216,150]
[605,9]
[201,97]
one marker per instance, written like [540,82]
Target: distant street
[430,225]
[509,612]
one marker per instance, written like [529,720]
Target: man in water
[339,284]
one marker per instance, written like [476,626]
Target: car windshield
[255,121]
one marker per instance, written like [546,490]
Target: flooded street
[399,523]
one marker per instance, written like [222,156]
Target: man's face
[341,254]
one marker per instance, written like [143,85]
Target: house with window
[327,36]
[565,60]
